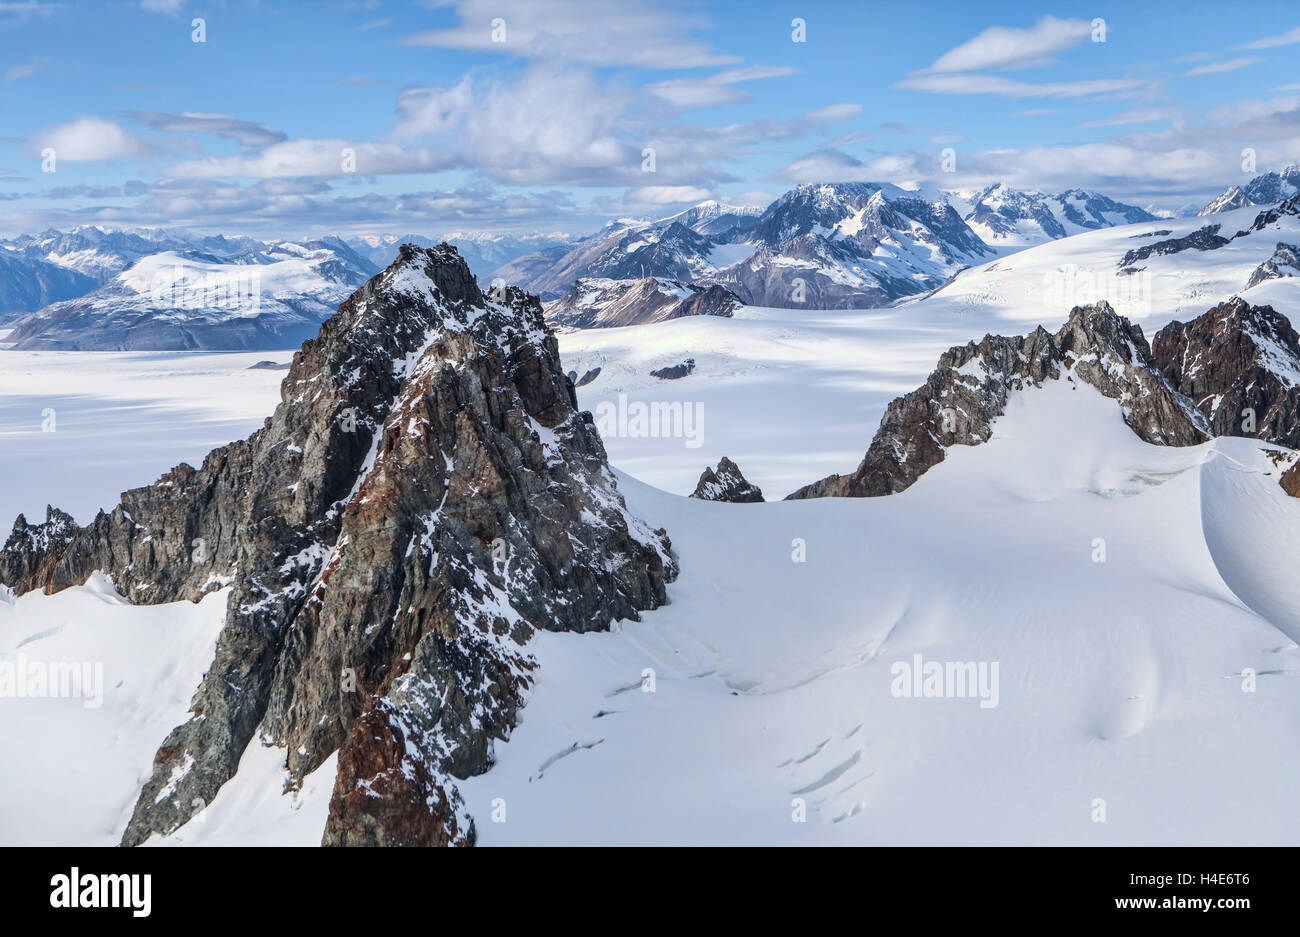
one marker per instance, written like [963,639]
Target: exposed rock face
[599,303]
[29,544]
[726,484]
[674,372]
[1290,481]
[970,386]
[1285,262]
[1203,239]
[425,496]
[1240,365]
[587,378]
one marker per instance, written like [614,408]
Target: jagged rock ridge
[425,496]
[727,483]
[1285,262]
[971,384]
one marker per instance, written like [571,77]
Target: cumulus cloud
[89,140]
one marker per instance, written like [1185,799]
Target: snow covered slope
[274,297]
[774,681]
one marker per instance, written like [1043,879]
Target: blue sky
[542,125]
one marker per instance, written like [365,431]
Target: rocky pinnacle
[424,498]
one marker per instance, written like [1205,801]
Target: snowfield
[1111,593]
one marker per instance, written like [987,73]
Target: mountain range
[818,246]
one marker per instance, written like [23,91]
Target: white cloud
[19,71]
[712,90]
[953,83]
[1218,68]
[1000,47]
[1145,115]
[589,32]
[319,158]
[1268,42]
[1038,112]
[166,7]
[667,194]
[89,140]
[223,125]
[834,112]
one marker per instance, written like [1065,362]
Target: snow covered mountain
[28,283]
[101,253]
[823,246]
[39,269]
[1266,189]
[1006,217]
[818,246]
[273,296]
[595,302]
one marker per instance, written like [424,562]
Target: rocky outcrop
[1240,365]
[604,303]
[1290,481]
[726,483]
[30,545]
[423,499]
[587,378]
[970,387]
[1271,216]
[1285,262]
[1203,239]
[674,372]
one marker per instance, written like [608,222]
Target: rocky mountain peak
[726,483]
[1240,365]
[424,498]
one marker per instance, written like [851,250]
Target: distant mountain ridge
[274,295]
[1001,215]
[1266,189]
[821,245]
